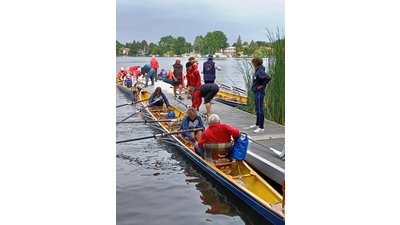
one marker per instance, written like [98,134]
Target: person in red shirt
[216,132]
[206,91]
[193,76]
[154,65]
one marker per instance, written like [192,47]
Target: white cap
[122,68]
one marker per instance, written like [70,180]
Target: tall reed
[275,95]
[246,69]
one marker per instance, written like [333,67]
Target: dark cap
[188,64]
[210,56]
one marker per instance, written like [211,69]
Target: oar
[132,103]
[160,135]
[188,106]
[139,110]
[274,150]
[233,88]
[152,121]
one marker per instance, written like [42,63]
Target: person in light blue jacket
[191,121]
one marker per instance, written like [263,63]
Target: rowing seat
[218,153]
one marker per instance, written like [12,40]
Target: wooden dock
[259,157]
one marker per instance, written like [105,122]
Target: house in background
[125,51]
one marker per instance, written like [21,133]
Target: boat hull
[268,209]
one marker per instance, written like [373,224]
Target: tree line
[209,44]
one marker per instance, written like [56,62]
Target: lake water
[228,75]
[157,184]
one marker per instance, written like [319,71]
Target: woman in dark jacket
[260,81]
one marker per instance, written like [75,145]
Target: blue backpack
[239,149]
[171,114]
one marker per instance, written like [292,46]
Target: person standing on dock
[177,75]
[206,91]
[216,133]
[193,76]
[260,81]
[154,65]
[209,70]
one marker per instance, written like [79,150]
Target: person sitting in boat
[158,94]
[216,132]
[162,75]
[206,91]
[192,121]
[128,80]
[121,74]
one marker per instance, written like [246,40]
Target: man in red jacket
[154,65]
[193,76]
[216,132]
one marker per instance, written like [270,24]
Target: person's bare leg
[208,108]
[180,90]
[198,135]
[174,90]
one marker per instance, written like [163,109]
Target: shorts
[210,95]
[179,82]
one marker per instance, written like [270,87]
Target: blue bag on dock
[239,149]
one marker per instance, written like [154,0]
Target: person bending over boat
[191,121]
[150,75]
[216,132]
[156,95]
[206,91]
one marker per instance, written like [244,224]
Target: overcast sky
[151,20]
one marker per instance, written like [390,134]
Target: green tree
[180,46]
[119,46]
[166,43]
[215,40]
[239,46]
[198,44]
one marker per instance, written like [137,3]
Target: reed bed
[275,92]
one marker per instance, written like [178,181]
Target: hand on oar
[131,103]
[160,135]
[139,110]
[273,150]
[152,121]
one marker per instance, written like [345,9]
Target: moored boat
[231,99]
[235,175]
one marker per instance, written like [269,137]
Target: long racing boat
[235,175]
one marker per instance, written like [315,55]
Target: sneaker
[254,126]
[258,130]
[180,98]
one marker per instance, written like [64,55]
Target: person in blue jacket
[260,81]
[157,94]
[191,121]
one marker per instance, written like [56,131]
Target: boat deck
[261,158]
